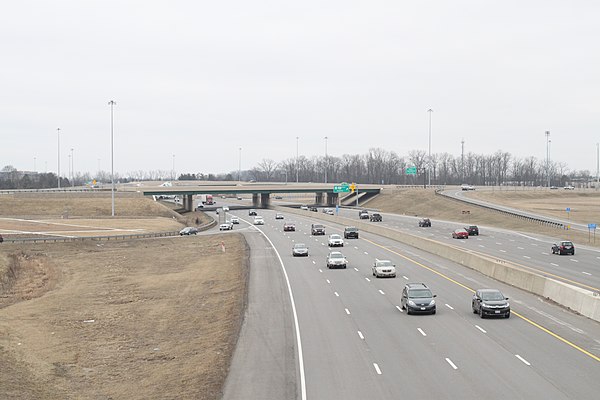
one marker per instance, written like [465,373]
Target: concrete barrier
[583,301]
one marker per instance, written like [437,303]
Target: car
[226,226]
[350,232]
[314,209]
[300,249]
[278,216]
[1,239]
[252,212]
[258,220]
[363,214]
[335,240]
[278,197]
[335,259]
[317,229]
[464,186]
[490,302]
[189,230]
[304,207]
[375,217]
[460,234]
[425,223]
[329,211]
[473,230]
[417,298]
[239,198]
[383,268]
[553,188]
[569,187]
[200,205]
[223,197]
[225,208]
[563,247]
[235,220]
[288,226]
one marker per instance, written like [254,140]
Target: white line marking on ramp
[480,328]
[586,273]
[381,291]
[451,363]
[367,279]
[360,335]
[449,306]
[399,308]
[421,330]
[522,359]
[377,368]
[347,311]
[336,293]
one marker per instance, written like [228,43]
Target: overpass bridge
[261,192]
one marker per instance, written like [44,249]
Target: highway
[353,341]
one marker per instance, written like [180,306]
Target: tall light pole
[297,159]
[429,161]
[69,166]
[112,159]
[72,169]
[548,157]
[326,159]
[34,168]
[58,136]
[462,161]
[240,166]
[173,170]
[597,165]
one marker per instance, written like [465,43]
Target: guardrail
[514,214]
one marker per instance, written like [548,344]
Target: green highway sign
[342,188]
[411,171]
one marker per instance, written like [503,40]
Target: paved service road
[358,344]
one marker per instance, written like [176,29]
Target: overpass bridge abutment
[265,200]
[319,198]
[255,200]
[332,199]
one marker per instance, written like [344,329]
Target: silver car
[382,268]
[335,240]
[300,249]
[335,259]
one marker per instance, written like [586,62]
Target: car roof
[336,253]
[334,234]
[416,286]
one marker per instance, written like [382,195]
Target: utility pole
[58,135]
[297,159]
[429,161]
[548,157]
[112,159]
[72,169]
[34,168]
[240,166]
[462,160]
[325,159]
[597,165]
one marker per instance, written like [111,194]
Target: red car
[460,234]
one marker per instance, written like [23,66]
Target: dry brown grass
[162,318]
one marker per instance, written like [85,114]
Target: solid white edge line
[449,361]
[421,330]
[480,328]
[296,324]
[360,335]
[587,273]
[377,368]
[522,359]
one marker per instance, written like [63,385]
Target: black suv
[350,232]
[425,223]
[417,298]
[490,302]
[472,229]
[315,209]
[252,212]
[375,217]
[317,229]
[564,247]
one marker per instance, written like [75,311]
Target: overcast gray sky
[199,79]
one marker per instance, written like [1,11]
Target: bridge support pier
[332,199]
[319,198]
[255,200]
[188,202]
[264,200]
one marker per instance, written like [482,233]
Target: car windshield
[335,237]
[384,263]
[567,244]
[336,255]
[419,293]
[317,226]
[299,246]
[492,296]
[351,229]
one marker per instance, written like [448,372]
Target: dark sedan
[425,223]
[490,302]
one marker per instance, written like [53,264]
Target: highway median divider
[582,301]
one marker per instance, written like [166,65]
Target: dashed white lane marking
[360,335]
[320,270]
[480,328]
[399,308]
[367,279]
[405,277]
[586,273]
[533,244]
[556,265]
[546,254]
[381,291]
[449,361]
[322,244]
[377,368]
[520,248]
[366,253]
[503,251]
[481,245]
[356,269]
[527,257]
[356,247]
[336,293]
[421,330]
[328,281]
[522,359]
[347,311]
[449,306]
[499,244]
[314,262]
[598,258]
[574,260]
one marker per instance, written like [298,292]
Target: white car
[335,240]
[384,268]
[304,207]
[569,187]
[235,220]
[225,208]
[258,220]
[335,259]
[329,211]
[226,226]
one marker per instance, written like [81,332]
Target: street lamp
[597,165]
[72,169]
[240,166]
[69,165]
[34,168]
[297,159]
[325,159]
[429,161]
[58,136]
[548,157]
[173,170]
[112,159]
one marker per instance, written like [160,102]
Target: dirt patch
[152,318]
[425,203]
